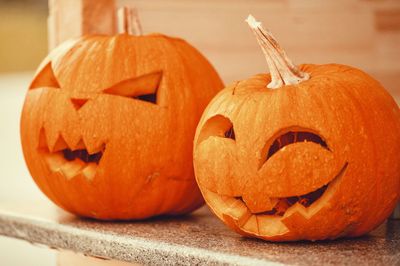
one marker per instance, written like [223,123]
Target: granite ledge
[198,239]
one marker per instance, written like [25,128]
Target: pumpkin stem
[283,71]
[128,21]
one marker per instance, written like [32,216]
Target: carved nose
[78,103]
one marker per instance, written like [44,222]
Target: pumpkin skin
[108,123]
[357,173]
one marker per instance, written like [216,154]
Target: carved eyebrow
[143,88]
[45,78]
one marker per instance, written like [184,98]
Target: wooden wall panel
[363,33]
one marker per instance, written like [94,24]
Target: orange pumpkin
[108,124]
[308,152]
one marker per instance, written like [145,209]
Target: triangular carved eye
[142,88]
[45,78]
[230,133]
[218,126]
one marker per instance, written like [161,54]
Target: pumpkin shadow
[198,218]
[307,243]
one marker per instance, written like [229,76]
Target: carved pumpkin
[108,124]
[308,152]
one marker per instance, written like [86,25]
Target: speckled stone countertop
[198,238]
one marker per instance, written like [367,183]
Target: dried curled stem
[128,21]
[283,71]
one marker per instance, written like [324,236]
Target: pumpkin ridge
[376,191]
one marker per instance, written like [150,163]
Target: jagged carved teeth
[71,162]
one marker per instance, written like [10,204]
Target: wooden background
[362,33]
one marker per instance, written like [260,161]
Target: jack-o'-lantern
[108,124]
[308,152]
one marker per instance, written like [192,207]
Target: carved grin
[83,155]
[235,211]
[70,161]
[307,200]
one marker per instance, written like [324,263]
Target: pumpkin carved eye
[219,126]
[294,137]
[230,133]
[142,88]
[46,78]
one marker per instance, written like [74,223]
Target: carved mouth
[269,224]
[284,204]
[70,161]
[83,155]
[306,200]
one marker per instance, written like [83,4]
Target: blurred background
[362,33]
